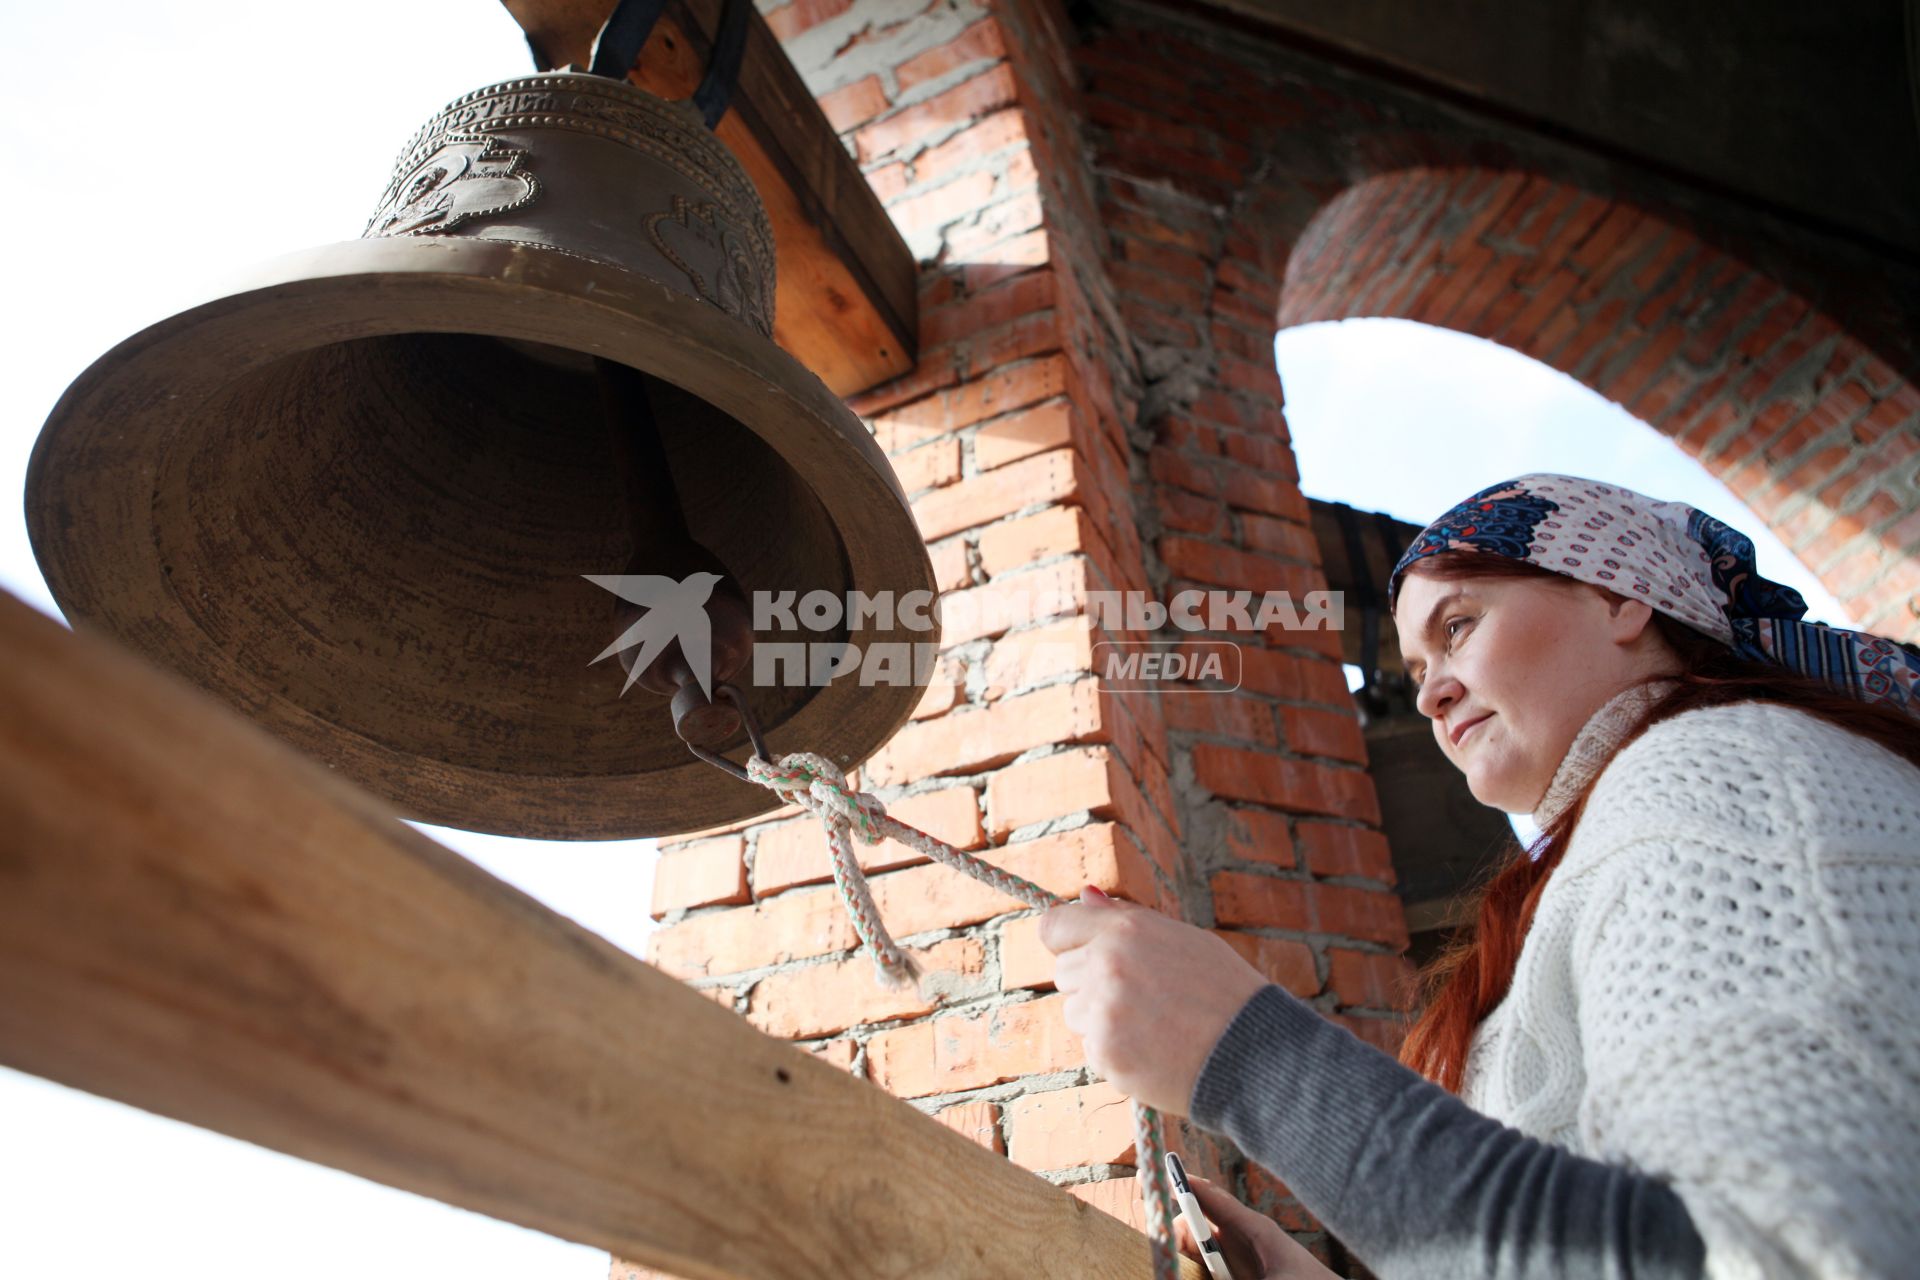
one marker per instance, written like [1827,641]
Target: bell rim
[639,314]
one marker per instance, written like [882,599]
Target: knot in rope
[817,784]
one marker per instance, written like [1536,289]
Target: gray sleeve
[1416,1183]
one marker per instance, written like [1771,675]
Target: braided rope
[816,784]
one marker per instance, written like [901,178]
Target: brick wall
[1113,219]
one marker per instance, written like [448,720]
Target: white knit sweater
[1721,986]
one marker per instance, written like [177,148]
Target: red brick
[1850,576]
[1171,466]
[1280,960]
[1312,732]
[949,564]
[980,41]
[1843,530]
[940,207]
[1067,1128]
[966,741]
[1333,850]
[976,1121]
[1100,854]
[1173,260]
[978,500]
[1246,491]
[985,240]
[1222,715]
[1014,544]
[1023,961]
[1281,537]
[795,853]
[1230,567]
[1022,659]
[1247,899]
[1016,600]
[1256,379]
[889,181]
[1299,786]
[931,465]
[936,369]
[703,874]
[789,20]
[966,101]
[999,392]
[1168,292]
[821,999]
[1001,304]
[1012,257]
[1254,835]
[949,1054]
[854,104]
[1191,513]
[1894,412]
[942,695]
[790,927]
[1371,980]
[1020,435]
[1285,675]
[1080,780]
[971,146]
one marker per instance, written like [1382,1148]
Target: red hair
[1463,984]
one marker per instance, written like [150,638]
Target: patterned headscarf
[1682,562]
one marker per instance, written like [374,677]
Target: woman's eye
[1453,623]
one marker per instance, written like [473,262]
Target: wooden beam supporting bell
[358,495]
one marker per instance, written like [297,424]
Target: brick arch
[1819,436]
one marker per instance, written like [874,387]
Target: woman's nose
[1436,695]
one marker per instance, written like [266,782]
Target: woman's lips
[1460,734]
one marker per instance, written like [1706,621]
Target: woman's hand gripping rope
[817,784]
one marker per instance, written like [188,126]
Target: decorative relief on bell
[619,176]
[464,177]
[704,235]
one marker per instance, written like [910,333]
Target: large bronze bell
[355,496]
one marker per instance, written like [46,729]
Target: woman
[1684,1038]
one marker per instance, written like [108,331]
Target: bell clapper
[663,545]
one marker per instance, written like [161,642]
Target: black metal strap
[723,67]
[620,41]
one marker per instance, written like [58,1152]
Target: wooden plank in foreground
[845,298]
[198,921]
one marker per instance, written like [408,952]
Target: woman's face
[1510,669]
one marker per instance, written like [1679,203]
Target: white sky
[154,147]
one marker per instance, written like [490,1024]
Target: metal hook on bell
[754,736]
